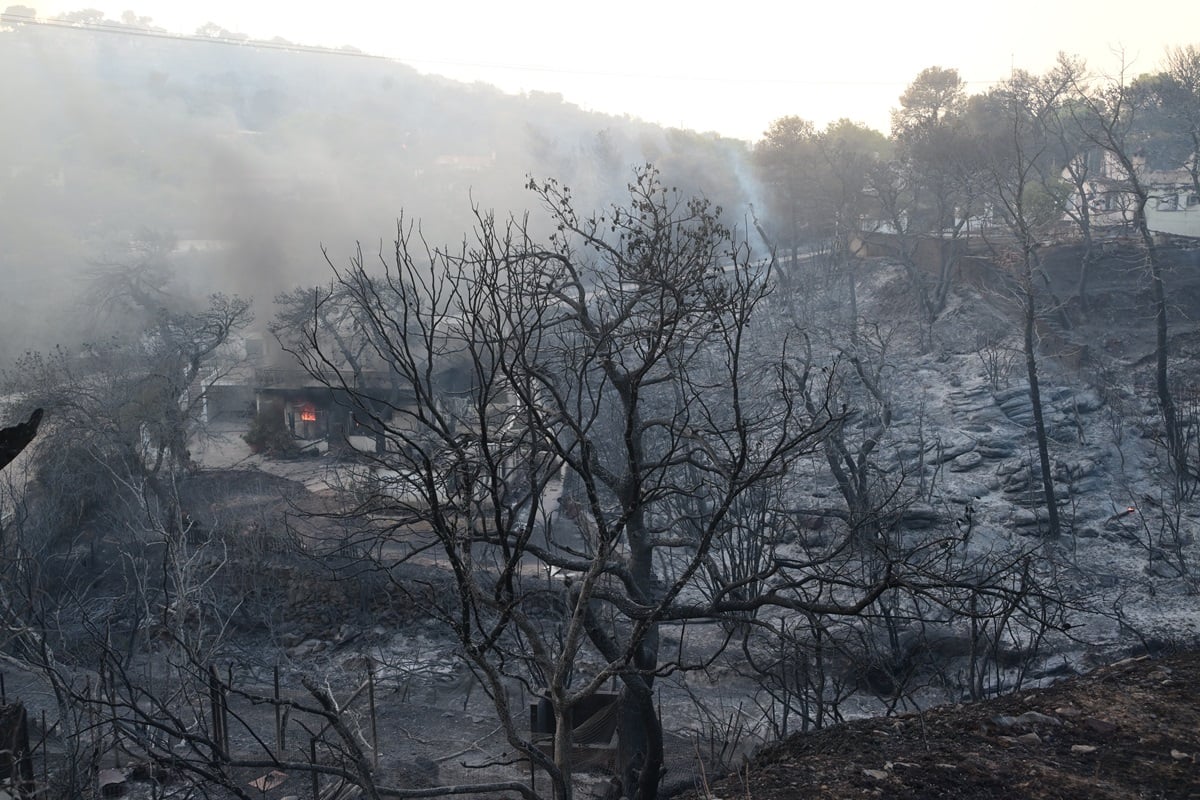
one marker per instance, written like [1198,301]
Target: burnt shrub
[269,434]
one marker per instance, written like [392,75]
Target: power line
[120,29]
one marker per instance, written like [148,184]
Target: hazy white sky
[731,67]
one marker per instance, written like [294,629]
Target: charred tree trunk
[948,260]
[1166,402]
[1085,270]
[641,739]
[1035,398]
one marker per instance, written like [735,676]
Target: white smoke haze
[251,158]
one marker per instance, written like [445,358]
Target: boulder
[966,462]
[1005,395]
[952,447]
[1024,518]
[997,446]
[919,516]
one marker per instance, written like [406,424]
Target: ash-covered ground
[960,442]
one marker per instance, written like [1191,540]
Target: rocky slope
[962,435]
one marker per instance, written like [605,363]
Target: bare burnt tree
[138,399]
[961,619]
[1110,124]
[964,626]
[594,440]
[1018,153]
[201,730]
[1073,174]
[610,369]
[304,307]
[105,478]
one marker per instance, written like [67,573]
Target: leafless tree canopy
[604,425]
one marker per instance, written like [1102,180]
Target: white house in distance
[1173,208]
